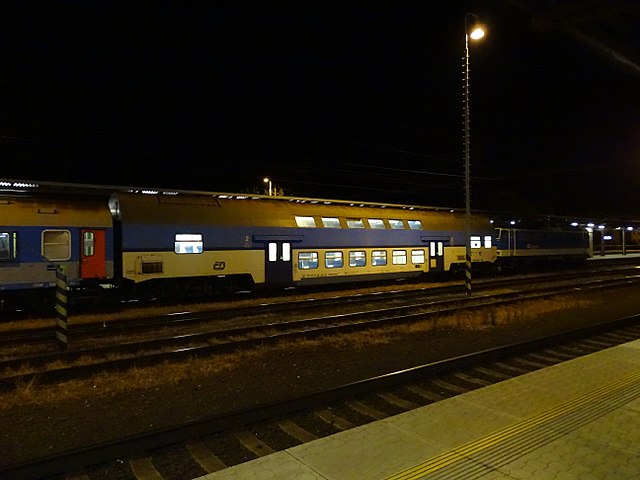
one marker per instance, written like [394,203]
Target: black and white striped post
[62,338]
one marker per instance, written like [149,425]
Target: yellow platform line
[476,446]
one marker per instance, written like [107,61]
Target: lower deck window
[188,243]
[399,257]
[417,256]
[379,258]
[333,260]
[56,245]
[5,246]
[357,259]
[307,260]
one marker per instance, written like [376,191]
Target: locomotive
[174,243]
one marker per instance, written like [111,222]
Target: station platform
[576,420]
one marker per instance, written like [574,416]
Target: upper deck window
[415,224]
[188,243]
[396,224]
[376,223]
[330,222]
[355,223]
[305,222]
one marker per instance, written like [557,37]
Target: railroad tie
[332,419]
[253,443]
[424,393]
[366,410]
[473,380]
[205,458]
[77,476]
[143,469]
[449,386]
[493,373]
[397,401]
[296,431]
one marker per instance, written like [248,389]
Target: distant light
[512,222]
[591,225]
[600,227]
[491,222]
[607,237]
[630,229]
[574,224]
[150,192]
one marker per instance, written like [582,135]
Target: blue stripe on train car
[144,237]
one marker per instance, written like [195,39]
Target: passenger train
[174,243]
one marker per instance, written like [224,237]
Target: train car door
[92,254]
[436,256]
[278,268]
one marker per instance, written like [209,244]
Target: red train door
[92,254]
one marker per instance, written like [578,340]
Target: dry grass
[140,379]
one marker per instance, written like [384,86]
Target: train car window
[415,224]
[307,260]
[330,222]
[417,256]
[355,223]
[357,259]
[273,252]
[487,241]
[188,243]
[396,224]
[88,244]
[476,242]
[56,245]
[333,260]
[5,246]
[399,257]
[305,222]
[286,252]
[379,258]
[376,223]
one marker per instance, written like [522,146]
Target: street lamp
[473,31]
[268,180]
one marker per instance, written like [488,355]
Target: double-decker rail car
[38,235]
[209,242]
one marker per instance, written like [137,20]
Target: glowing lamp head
[477,32]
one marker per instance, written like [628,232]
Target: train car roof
[11,187]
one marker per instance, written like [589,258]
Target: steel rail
[175,348]
[106,327]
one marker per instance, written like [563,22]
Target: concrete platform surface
[576,420]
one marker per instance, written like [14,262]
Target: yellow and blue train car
[209,241]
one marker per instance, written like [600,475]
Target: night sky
[351,100]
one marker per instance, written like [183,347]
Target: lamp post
[473,31]
[268,180]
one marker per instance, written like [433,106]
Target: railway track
[114,326]
[193,449]
[119,356]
